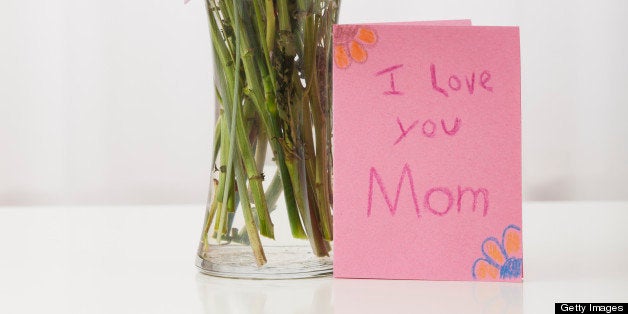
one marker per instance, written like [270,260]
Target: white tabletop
[140,259]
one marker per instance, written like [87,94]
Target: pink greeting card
[427,152]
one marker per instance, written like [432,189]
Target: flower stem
[249,221]
[272,82]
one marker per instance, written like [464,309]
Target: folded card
[427,152]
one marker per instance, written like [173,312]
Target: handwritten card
[427,152]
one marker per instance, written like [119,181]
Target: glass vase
[269,209]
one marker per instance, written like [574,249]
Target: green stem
[229,77]
[273,192]
[321,188]
[272,89]
[228,151]
[260,149]
[209,216]
[228,179]
[284,16]
[267,110]
[254,177]
[270,24]
[272,196]
[239,135]
[267,32]
[249,219]
[216,146]
[315,105]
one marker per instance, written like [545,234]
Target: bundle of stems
[273,84]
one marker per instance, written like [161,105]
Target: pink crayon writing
[393,90]
[455,83]
[428,128]
[406,175]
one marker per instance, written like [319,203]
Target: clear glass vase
[269,209]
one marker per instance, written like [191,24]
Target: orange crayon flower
[349,42]
[501,259]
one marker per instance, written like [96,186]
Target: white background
[109,102]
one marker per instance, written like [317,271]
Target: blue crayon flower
[501,260]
